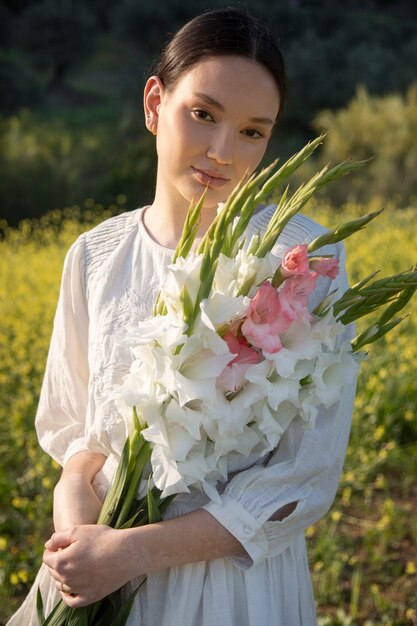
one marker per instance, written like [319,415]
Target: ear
[152,98]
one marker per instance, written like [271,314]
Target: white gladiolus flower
[166,330]
[220,309]
[166,475]
[333,371]
[189,420]
[233,273]
[182,273]
[326,330]
[300,340]
[274,423]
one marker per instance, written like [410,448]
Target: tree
[57,34]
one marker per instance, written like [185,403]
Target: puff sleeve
[61,414]
[304,470]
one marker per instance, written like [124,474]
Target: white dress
[111,277]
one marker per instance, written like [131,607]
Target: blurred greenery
[50,164]
[57,34]
[383,128]
[71,76]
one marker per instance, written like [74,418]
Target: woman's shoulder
[95,246]
[104,238]
[299,229]
[112,230]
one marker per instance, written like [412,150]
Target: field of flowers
[363,554]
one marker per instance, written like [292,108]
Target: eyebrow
[220,107]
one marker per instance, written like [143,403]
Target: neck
[165,218]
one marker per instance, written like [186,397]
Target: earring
[150,125]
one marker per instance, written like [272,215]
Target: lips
[209,178]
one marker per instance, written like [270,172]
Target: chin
[213,196]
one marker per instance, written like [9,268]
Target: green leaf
[39,608]
[286,210]
[106,611]
[190,229]
[153,510]
[78,617]
[324,306]
[360,301]
[373,333]
[342,231]
[288,168]
[109,510]
[165,502]
[58,615]
[187,305]
[397,305]
[138,519]
[129,494]
[124,612]
[136,420]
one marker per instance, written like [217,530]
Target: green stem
[140,462]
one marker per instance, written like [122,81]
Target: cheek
[183,136]
[250,156]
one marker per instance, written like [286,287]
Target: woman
[212,104]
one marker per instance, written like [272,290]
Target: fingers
[74,557]
[63,588]
[68,594]
[54,574]
[60,540]
[59,559]
[58,564]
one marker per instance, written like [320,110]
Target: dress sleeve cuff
[244,527]
[77,445]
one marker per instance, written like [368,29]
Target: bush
[382,127]
[18,86]
[46,164]
[56,34]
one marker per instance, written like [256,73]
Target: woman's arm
[94,561]
[189,538]
[75,501]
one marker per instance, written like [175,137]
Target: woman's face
[214,127]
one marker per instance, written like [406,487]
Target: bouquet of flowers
[232,355]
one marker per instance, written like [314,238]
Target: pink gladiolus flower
[266,319]
[235,343]
[232,377]
[295,261]
[326,267]
[295,293]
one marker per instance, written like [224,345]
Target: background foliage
[71,76]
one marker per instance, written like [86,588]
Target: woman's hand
[88,562]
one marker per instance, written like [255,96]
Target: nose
[221,146]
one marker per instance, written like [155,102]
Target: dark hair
[229,31]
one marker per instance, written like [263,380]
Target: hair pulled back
[221,32]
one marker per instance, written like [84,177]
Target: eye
[201,114]
[253,133]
